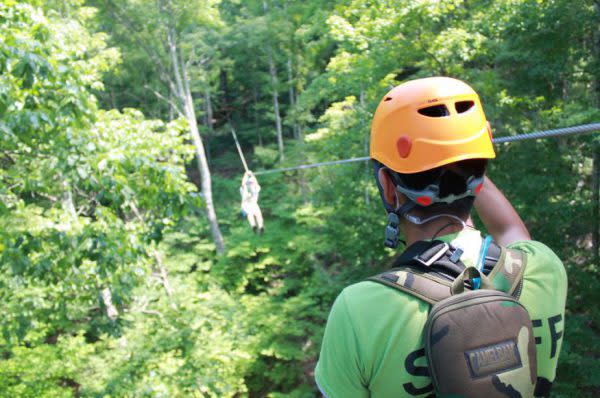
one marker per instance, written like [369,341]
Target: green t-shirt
[373,343]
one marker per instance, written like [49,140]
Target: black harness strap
[427,269]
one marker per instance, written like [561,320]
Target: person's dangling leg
[259,220]
[257,227]
[251,221]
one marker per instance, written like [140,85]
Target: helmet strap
[419,221]
[392,230]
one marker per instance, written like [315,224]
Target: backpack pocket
[480,344]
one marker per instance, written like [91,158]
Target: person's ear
[389,190]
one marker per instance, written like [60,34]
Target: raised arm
[499,216]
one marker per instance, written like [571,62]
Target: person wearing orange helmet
[430,144]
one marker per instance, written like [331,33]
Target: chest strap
[426,270]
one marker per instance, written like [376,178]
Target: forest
[126,267]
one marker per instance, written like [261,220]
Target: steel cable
[585,128]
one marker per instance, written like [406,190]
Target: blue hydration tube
[481,261]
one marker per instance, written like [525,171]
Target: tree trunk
[185,97]
[273,72]
[596,149]
[256,126]
[209,110]
[171,107]
[596,203]
[224,87]
[291,86]
[203,168]
[292,94]
[304,190]
[208,120]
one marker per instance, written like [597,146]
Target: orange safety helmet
[426,123]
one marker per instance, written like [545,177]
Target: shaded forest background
[126,269]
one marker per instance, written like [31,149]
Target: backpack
[478,341]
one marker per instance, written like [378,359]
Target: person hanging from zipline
[460,314]
[249,191]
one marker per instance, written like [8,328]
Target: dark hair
[452,180]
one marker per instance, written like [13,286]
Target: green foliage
[85,193]
[94,198]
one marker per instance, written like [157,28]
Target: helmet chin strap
[392,229]
[419,221]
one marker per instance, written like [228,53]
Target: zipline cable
[237,144]
[312,165]
[585,128]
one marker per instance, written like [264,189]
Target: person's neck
[438,227]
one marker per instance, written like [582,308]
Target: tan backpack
[478,342]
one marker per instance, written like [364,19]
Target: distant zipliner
[249,191]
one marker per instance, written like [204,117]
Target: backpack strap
[418,283]
[507,274]
[436,256]
[426,270]
[417,271]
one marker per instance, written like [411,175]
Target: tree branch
[153,312]
[167,100]
[163,274]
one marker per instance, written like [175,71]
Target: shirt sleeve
[338,373]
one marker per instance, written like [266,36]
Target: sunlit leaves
[85,194]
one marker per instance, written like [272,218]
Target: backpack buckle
[431,255]
[456,255]
[392,231]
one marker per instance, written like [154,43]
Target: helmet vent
[463,106]
[435,111]
[388,99]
